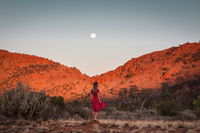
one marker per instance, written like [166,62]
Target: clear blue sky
[125,29]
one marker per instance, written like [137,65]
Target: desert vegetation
[23,103]
[22,110]
[180,101]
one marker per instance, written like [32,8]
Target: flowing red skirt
[97,105]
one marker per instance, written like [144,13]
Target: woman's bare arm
[87,96]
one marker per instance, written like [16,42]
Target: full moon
[92,35]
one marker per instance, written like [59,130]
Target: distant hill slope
[41,74]
[174,65]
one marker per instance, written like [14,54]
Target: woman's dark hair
[95,84]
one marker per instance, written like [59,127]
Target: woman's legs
[93,115]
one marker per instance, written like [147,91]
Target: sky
[60,29]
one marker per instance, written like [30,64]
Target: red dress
[96,105]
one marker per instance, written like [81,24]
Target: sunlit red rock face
[174,65]
[41,74]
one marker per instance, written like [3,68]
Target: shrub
[58,101]
[164,69]
[165,101]
[195,57]
[166,108]
[187,115]
[111,109]
[129,75]
[75,108]
[196,104]
[20,102]
[178,59]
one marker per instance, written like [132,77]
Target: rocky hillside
[41,74]
[174,66]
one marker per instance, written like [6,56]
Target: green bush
[22,103]
[196,104]
[75,108]
[165,102]
[58,101]
[166,108]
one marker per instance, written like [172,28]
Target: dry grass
[146,123]
[104,125]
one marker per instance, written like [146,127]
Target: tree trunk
[141,107]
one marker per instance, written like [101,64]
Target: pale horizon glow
[61,30]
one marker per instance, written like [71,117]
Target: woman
[97,105]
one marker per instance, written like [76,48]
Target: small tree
[166,108]
[123,101]
[58,101]
[165,102]
[196,104]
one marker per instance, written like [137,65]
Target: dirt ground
[101,126]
